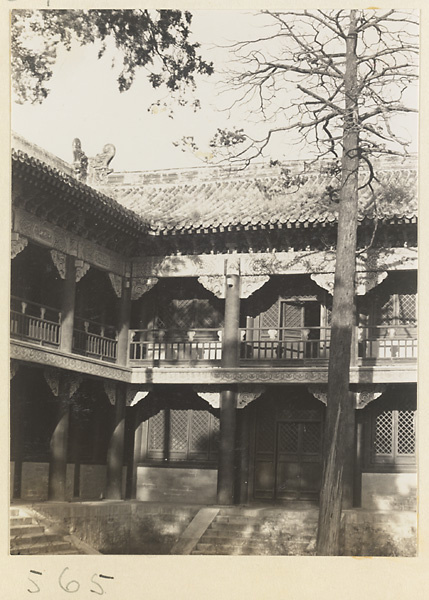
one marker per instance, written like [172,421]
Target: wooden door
[298,457]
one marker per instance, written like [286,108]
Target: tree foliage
[157,41]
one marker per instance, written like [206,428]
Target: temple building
[170,332]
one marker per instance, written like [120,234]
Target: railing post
[68,305]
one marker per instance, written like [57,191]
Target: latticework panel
[386,312]
[292,315]
[383,440]
[311,438]
[200,431]
[156,431]
[406,432]
[179,430]
[288,437]
[270,318]
[265,436]
[298,414]
[215,432]
[407,308]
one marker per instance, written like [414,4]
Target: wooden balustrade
[95,339]
[193,345]
[35,322]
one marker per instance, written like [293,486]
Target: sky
[84,102]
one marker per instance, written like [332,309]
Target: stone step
[25,529]
[30,539]
[15,521]
[14,512]
[45,548]
[295,549]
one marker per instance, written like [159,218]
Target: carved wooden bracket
[365,281]
[135,393]
[75,380]
[364,393]
[52,377]
[14,366]
[319,392]
[247,395]
[18,243]
[214,284]
[210,394]
[110,389]
[367,393]
[82,269]
[60,261]
[116,281]
[251,283]
[141,285]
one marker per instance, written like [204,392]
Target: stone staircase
[30,533]
[260,531]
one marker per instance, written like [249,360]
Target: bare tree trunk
[340,401]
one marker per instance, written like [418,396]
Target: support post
[350,456]
[357,491]
[68,305]
[59,443]
[115,452]
[123,325]
[228,397]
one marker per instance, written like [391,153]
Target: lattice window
[265,437]
[179,435]
[156,431]
[311,437]
[292,315]
[407,308]
[288,440]
[383,442]
[179,430]
[200,432]
[394,437]
[270,318]
[406,432]
[386,312]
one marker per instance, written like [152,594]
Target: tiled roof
[212,198]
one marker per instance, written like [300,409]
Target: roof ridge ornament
[92,170]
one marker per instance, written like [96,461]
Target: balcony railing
[95,340]
[393,342]
[173,345]
[285,343]
[35,322]
[41,325]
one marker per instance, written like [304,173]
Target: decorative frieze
[45,356]
[271,263]
[214,284]
[18,243]
[59,239]
[60,261]
[116,281]
[141,285]
[82,269]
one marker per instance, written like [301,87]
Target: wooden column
[357,490]
[59,443]
[243,456]
[115,452]
[228,397]
[137,451]
[123,324]
[68,305]
[350,458]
